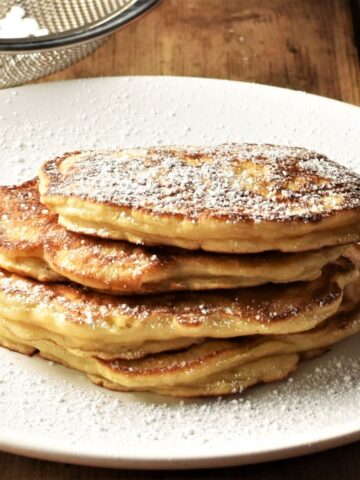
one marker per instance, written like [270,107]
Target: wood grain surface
[299,44]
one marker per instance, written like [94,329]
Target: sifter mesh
[76,28]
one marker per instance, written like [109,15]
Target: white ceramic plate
[50,412]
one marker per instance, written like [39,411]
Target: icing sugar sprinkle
[16,24]
[89,419]
[256,182]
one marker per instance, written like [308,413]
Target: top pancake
[32,243]
[230,198]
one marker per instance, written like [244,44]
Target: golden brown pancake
[231,198]
[90,323]
[244,376]
[273,358]
[212,368]
[32,243]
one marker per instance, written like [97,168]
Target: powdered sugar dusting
[231,181]
[16,24]
[56,399]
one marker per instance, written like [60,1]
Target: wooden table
[300,44]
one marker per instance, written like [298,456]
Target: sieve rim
[79,35]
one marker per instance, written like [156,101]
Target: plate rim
[132,462]
[321,98]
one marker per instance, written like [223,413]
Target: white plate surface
[50,412]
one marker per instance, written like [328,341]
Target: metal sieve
[76,28]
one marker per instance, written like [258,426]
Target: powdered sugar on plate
[50,411]
[62,407]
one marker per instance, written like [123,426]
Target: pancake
[231,198]
[212,368]
[32,243]
[107,326]
[259,371]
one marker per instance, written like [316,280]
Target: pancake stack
[185,271]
